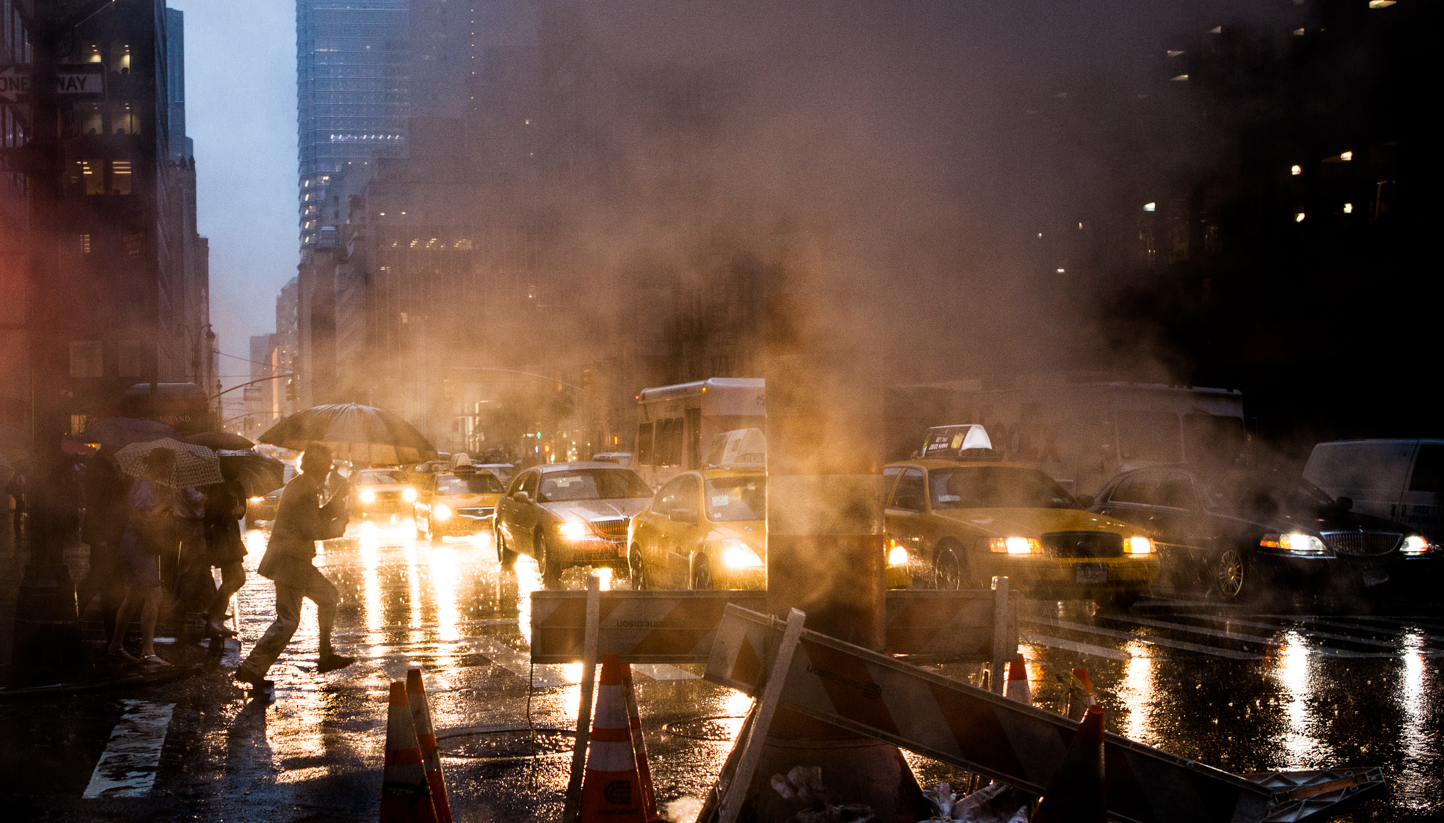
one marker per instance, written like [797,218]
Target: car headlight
[409,495]
[1015,545]
[368,496]
[257,499]
[1414,544]
[1138,545]
[736,555]
[573,530]
[1305,545]
[896,554]
[441,511]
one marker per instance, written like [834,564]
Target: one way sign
[74,83]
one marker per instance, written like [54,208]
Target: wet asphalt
[1277,686]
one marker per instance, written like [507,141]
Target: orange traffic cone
[426,736]
[639,748]
[1077,794]
[611,790]
[1017,688]
[1080,694]
[405,795]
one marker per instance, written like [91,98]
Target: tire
[636,569]
[505,556]
[701,574]
[949,566]
[551,568]
[1232,580]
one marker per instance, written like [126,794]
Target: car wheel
[551,568]
[701,574]
[505,556]
[636,571]
[949,566]
[1231,579]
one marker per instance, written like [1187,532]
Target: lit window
[120,57]
[1060,271]
[1175,52]
[1216,30]
[1296,170]
[1180,78]
[120,177]
[1148,207]
[1298,217]
[1348,208]
[1299,32]
[1380,4]
[85,244]
[1346,156]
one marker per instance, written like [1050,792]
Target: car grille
[1362,543]
[1082,544]
[474,512]
[611,529]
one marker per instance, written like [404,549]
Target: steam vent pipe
[825,556]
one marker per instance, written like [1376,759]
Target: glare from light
[409,495]
[1348,208]
[441,512]
[1180,78]
[572,530]
[1296,170]
[1415,544]
[1294,676]
[1298,217]
[736,555]
[368,496]
[1346,156]
[1136,692]
[1150,206]
[1140,545]
[257,499]
[1060,271]
[897,556]
[1381,4]
[604,578]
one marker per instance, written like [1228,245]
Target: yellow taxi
[707,530]
[456,502]
[969,521]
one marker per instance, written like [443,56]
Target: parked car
[460,502]
[1244,532]
[503,471]
[382,495]
[969,521]
[1400,480]
[569,514]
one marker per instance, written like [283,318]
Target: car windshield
[1002,487]
[1257,494]
[479,483]
[736,498]
[591,484]
[375,478]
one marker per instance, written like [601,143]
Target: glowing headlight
[257,499]
[897,556]
[1414,544]
[736,555]
[572,530]
[1015,545]
[368,496]
[1138,545]
[1294,543]
[441,512]
[409,495]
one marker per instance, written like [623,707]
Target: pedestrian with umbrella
[302,517]
[360,434]
[148,531]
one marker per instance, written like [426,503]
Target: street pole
[47,626]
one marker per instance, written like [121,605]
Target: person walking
[104,491]
[194,586]
[225,506]
[302,517]
[148,532]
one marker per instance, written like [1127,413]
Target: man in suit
[302,517]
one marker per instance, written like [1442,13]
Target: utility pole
[47,626]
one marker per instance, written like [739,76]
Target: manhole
[719,727]
[507,743]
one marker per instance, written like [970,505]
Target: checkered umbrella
[194,465]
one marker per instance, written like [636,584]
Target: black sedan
[569,514]
[1243,533]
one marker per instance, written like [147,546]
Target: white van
[1395,479]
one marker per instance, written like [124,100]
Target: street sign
[883,698]
[677,627]
[85,81]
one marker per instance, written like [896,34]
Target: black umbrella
[257,473]
[360,434]
[115,433]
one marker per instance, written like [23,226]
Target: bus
[676,424]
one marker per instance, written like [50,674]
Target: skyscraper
[352,80]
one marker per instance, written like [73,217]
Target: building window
[77,424]
[86,359]
[130,356]
[120,58]
[120,182]
[92,120]
[88,176]
[125,118]
[85,244]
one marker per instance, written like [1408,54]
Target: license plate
[1091,572]
[1374,578]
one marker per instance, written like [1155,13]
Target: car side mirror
[1344,503]
[688,516]
[521,497]
[1086,500]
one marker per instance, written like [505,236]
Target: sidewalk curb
[120,682]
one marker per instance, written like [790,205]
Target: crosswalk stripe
[1141,638]
[1071,646]
[1322,651]
[543,676]
[128,766]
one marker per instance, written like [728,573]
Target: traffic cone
[1080,694]
[1077,794]
[611,790]
[639,748]
[1017,688]
[405,795]
[426,736]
